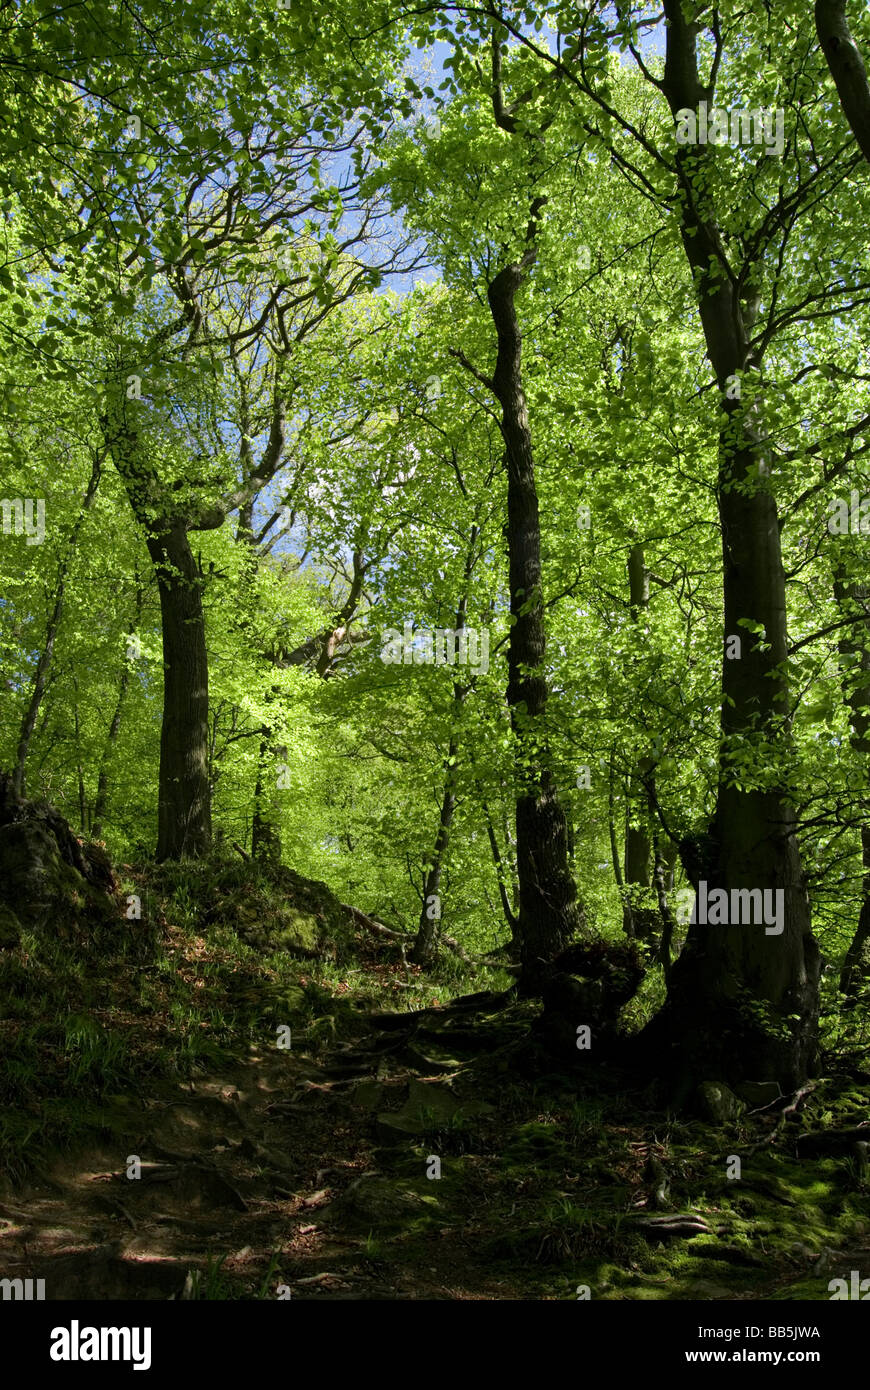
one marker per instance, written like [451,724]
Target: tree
[847,67]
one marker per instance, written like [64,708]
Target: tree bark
[855,646]
[101,801]
[46,656]
[423,949]
[847,68]
[741,1003]
[513,946]
[855,972]
[322,652]
[548,915]
[427,930]
[640,917]
[184,799]
[265,831]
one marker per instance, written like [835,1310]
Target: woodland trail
[302,1176]
[271,1173]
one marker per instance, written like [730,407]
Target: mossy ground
[544,1167]
[185,988]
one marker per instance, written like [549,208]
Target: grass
[183,993]
[214,1285]
[548,1183]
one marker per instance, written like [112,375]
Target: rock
[758,1093]
[831,1141]
[717,1103]
[179,1190]
[825,1261]
[376,1203]
[369,1095]
[49,880]
[430,1106]
[703,1288]
[770,1186]
[284,912]
[31,869]
[431,1063]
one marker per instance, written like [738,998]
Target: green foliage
[127,254]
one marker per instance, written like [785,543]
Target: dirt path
[388,1168]
[271,1174]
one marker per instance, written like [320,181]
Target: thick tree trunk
[548,915]
[184,790]
[853,600]
[662,872]
[184,798]
[847,68]
[742,1002]
[855,972]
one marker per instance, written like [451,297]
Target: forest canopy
[435,466]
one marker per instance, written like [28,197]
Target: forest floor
[310,1171]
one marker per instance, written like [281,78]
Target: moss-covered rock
[50,882]
[380,1205]
[273,909]
[430,1106]
[717,1103]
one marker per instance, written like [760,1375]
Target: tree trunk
[741,1003]
[855,973]
[660,879]
[46,656]
[548,915]
[322,651]
[265,832]
[184,798]
[854,599]
[846,67]
[513,948]
[640,918]
[101,801]
[184,790]
[430,913]
[427,930]
[83,817]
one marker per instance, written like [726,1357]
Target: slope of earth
[197,1116]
